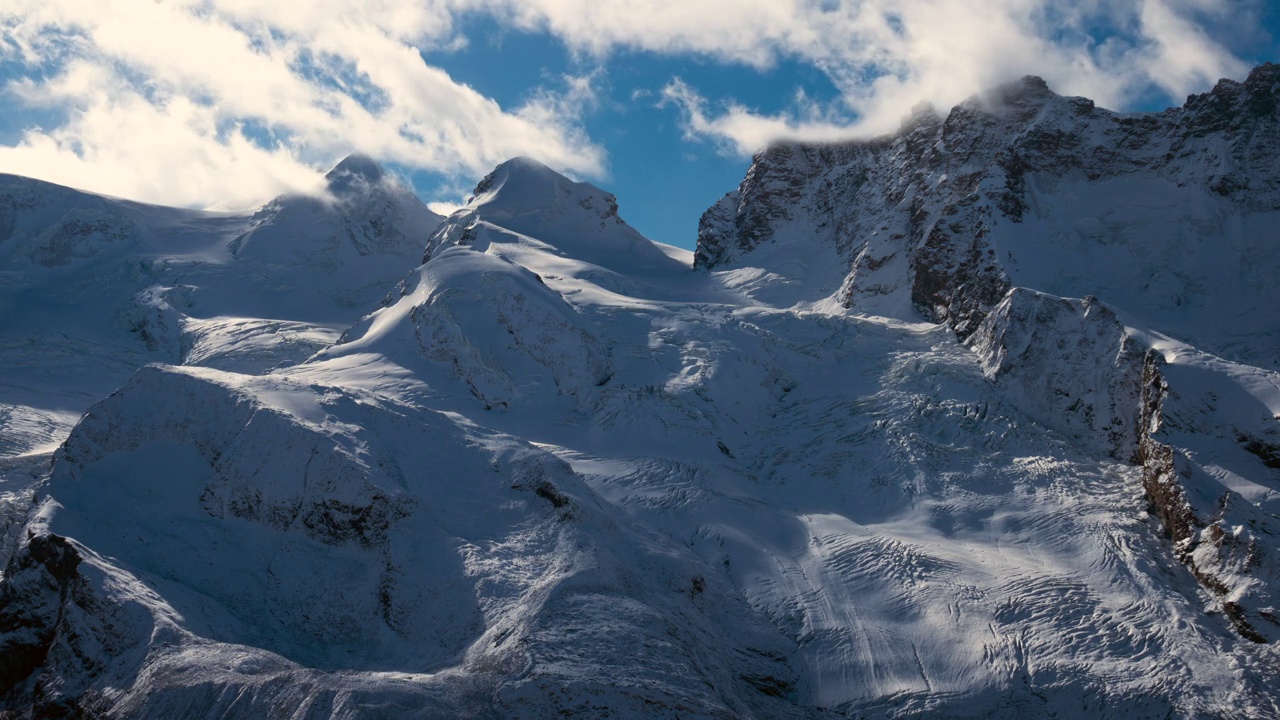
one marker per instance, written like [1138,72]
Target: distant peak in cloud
[356,165]
[355,175]
[1028,86]
[247,98]
[1027,91]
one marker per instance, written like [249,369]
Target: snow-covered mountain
[977,420]
[93,288]
[971,220]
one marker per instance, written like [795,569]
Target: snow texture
[974,421]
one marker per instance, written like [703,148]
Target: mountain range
[979,419]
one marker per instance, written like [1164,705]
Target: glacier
[979,419]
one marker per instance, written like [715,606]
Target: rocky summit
[980,419]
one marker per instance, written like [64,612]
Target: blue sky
[663,179]
[225,103]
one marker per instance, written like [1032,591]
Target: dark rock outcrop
[935,192]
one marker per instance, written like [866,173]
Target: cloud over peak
[243,100]
[186,101]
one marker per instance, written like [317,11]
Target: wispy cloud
[741,131]
[887,56]
[243,98]
[240,99]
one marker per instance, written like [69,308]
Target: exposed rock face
[1074,367]
[943,210]
[31,604]
[1204,451]
[1067,363]
[1166,215]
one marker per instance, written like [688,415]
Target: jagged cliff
[1168,216]
[1023,187]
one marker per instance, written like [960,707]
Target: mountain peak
[1033,83]
[523,186]
[1029,89]
[356,168]
[520,175]
[1233,105]
[364,205]
[525,197]
[1266,75]
[1015,98]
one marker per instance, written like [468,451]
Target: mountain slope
[1167,215]
[1170,217]
[93,287]
[556,471]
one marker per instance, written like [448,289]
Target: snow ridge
[852,465]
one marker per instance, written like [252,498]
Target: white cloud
[187,102]
[1181,57]
[754,32]
[887,56]
[167,149]
[444,208]
[742,132]
[190,100]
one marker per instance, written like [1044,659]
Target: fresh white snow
[557,471]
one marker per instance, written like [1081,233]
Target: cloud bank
[887,56]
[181,101]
